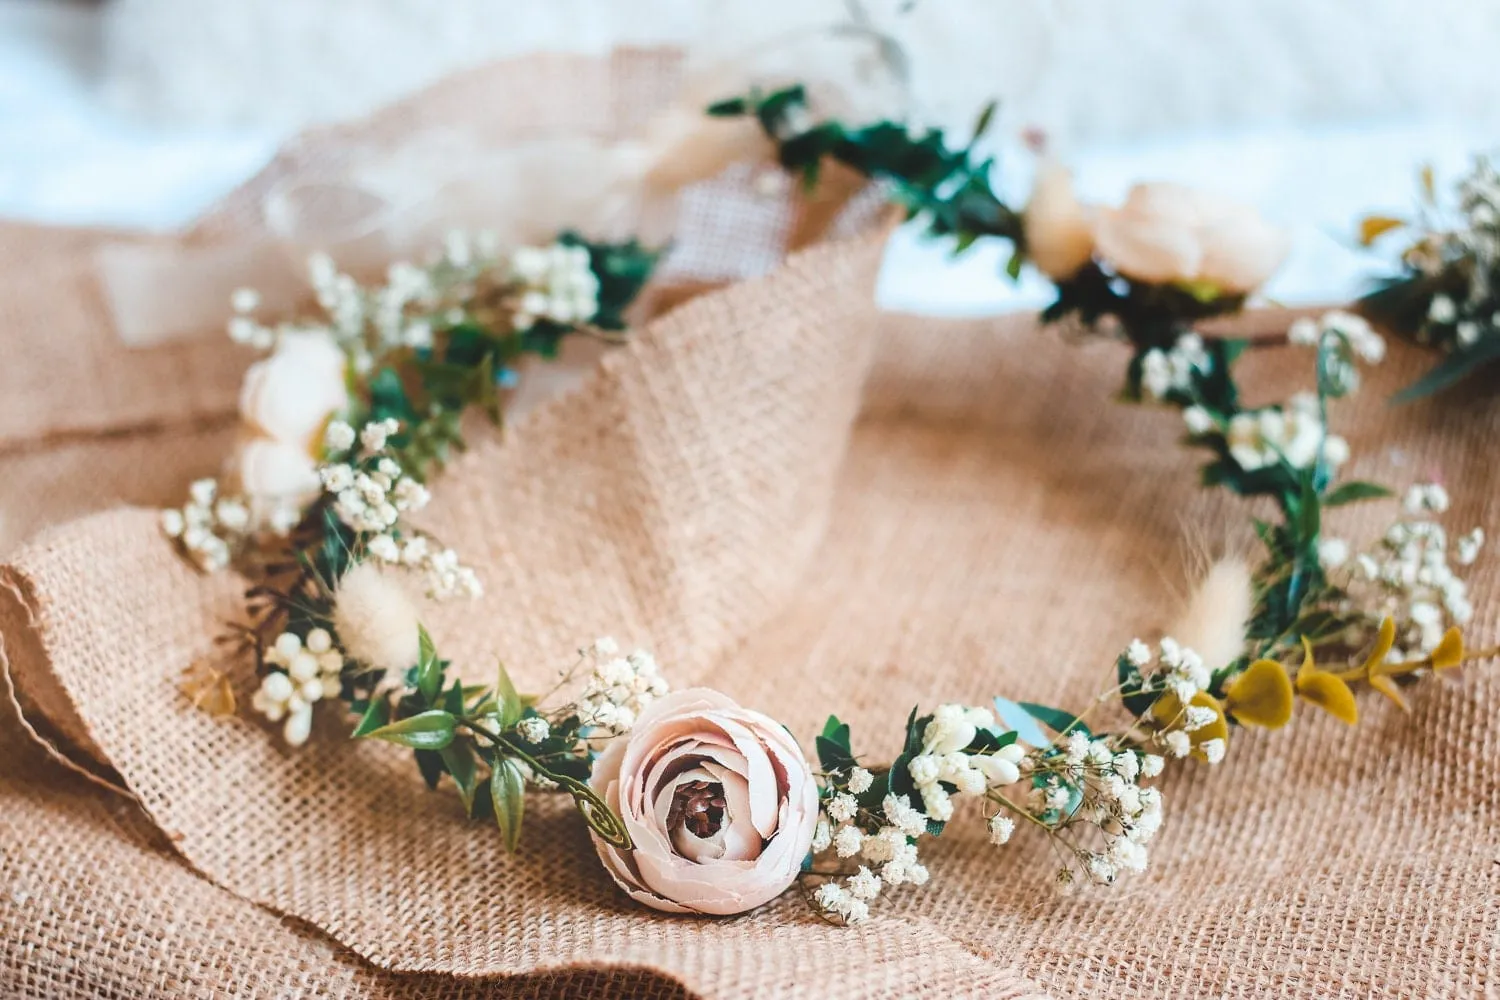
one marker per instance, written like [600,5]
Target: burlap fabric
[813,509]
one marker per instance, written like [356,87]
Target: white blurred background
[139,113]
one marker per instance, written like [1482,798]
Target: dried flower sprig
[1448,295]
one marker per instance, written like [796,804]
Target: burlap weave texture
[816,510]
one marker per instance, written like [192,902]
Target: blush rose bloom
[1059,229]
[719,801]
[1171,233]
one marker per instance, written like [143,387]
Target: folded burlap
[814,509]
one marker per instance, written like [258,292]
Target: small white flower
[1198,420]
[1001,828]
[339,436]
[822,836]
[1333,552]
[1178,744]
[172,523]
[373,436]
[923,769]
[533,729]
[864,885]
[842,808]
[1138,654]
[1213,750]
[1304,332]
[244,300]
[1151,765]
[384,548]
[860,780]
[1442,309]
[847,842]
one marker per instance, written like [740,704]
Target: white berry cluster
[555,283]
[1163,372]
[309,672]
[371,493]
[1407,573]
[618,688]
[1347,337]
[885,842]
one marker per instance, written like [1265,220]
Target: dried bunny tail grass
[1213,623]
[376,620]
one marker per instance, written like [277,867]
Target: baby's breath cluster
[555,283]
[618,687]
[209,527]
[1082,793]
[371,492]
[1408,574]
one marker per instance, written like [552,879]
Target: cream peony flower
[290,395]
[273,471]
[1059,230]
[375,620]
[1171,233]
[718,799]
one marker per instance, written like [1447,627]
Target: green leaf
[1054,718]
[730,107]
[834,752]
[1354,491]
[430,764]
[508,795]
[459,762]
[510,703]
[986,117]
[430,730]
[1013,266]
[429,668]
[376,716]
[1129,677]
[1453,369]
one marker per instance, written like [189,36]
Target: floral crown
[699,805]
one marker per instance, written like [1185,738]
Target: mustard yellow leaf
[1168,714]
[1372,227]
[1328,693]
[1382,648]
[1388,687]
[1449,651]
[1261,696]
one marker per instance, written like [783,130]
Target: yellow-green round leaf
[1261,695]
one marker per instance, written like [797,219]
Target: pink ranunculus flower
[719,801]
[1171,233]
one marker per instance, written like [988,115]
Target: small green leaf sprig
[1448,295]
[463,731]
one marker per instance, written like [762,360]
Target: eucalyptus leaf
[1354,491]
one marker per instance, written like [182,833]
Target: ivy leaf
[430,730]
[510,702]
[508,796]
[1354,491]
[459,762]
[429,668]
[1054,718]
[376,716]
[834,753]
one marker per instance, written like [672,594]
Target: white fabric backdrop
[68,154]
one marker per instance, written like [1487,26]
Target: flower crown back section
[697,804]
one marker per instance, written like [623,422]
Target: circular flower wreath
[696,804]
